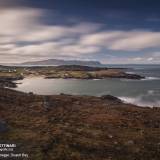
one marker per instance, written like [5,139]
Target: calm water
[142,92]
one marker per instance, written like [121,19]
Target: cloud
[136,41]
[124,40]
[9,3]
[24,34]
[150,58]
[25,24]
[131,60]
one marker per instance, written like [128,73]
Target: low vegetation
[65,127]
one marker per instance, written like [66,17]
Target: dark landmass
[86,72]
[67,71]
[8,80]
[58,62]
[78,68]
[65,127]
[6,83]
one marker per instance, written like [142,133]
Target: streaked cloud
[25,36]
[133,40]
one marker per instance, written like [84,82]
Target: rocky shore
[8,81]
[65,127]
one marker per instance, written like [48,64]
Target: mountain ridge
[58,62]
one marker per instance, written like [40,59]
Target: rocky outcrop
[111,98]
[8,81]
[133,76]
[3,126]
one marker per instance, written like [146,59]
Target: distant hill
[78,68]
[57,62]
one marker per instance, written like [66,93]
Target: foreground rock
[3,126]
[79,127]
[8,81]
[112,98]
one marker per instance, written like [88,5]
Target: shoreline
[127,99]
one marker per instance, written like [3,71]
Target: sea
[145,92]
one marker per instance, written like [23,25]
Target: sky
[109,31]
